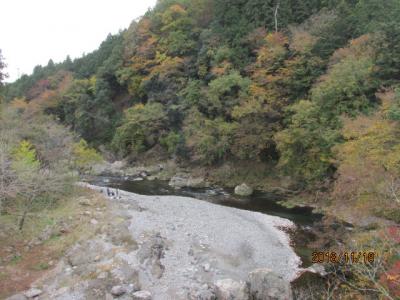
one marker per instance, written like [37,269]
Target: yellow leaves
[169,65]
[222,68]
[143,28]
[250,106]
[19,104]
[302,41]
[357,48]
[84,156]
[173,12]
[138,107]
[369,159]
[276,39]
[24,158]
[370,141]
[275,48]
[92,82]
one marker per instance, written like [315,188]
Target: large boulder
[266,285]
[107,168]
[186,180]
[228,289]
[243,190]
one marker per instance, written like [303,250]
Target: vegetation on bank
[219,85]
[39,160]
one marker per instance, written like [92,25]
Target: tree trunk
[22,220]
[276,16]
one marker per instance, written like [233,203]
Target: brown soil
[21,266]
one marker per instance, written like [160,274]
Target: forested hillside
[306,89]
[302,96]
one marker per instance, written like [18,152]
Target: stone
[118,290]
[94,222]
[85,253]
[33,292]
[266,285]
[186,180]
[227,289]
[317,269]
[141,295]
[243,190]
[62,291]
[206,267]
[84,202]
[102,275]
[202,294]
[17,297]
[109,296]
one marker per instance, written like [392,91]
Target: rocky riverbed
[169,247]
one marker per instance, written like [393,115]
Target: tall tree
[3,75]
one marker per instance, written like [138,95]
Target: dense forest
[301,90]
[306,89]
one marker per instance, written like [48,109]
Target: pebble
[102,275]
[118,290]
[141,295]
[33,292]
[206,267]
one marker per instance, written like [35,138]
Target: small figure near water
[113,194]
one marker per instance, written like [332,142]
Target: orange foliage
[359,47]
[369,161]
[221,69]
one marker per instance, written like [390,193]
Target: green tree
[84,157]
[349,86]
[24,157]
[305,146]
[141,128]
[225,92]
[2,67]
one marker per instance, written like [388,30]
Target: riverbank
[174,248]
[27,255]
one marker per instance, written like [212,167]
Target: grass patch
[15,260]
[41,266]
[64,220]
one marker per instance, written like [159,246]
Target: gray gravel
[206,242]
[175,248]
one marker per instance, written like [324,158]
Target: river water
[262,202]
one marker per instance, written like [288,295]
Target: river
[266,203]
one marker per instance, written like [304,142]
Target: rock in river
[186,180]
[243,190]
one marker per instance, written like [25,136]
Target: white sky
[33,31]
